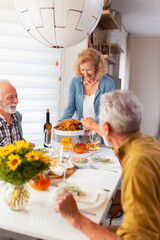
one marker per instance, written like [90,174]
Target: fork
[96,168]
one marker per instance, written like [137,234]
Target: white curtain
[30,68]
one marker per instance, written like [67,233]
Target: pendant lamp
[59,23]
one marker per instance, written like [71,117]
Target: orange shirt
[140,187]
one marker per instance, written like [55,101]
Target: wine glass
[94,138]
[54,143]
[65,159]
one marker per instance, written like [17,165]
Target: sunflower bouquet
[18,164]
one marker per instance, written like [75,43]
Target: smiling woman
[29,66]
[86,88]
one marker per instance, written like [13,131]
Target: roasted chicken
[70,125]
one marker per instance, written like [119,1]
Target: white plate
[50,152]
[100,165]
[69,133]
[97,196]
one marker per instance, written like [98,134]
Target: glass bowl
[80,162]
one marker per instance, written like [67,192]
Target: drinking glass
[65,159]
[54,143]
[94,138]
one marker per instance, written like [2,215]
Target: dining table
[39,219]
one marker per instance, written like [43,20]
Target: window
[30,68]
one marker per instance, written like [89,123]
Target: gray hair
[3,81]
[122,110]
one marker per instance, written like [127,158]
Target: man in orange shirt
[139,155]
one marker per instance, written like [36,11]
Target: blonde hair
[92,55]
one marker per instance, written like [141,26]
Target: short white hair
[3,81]
[122,110]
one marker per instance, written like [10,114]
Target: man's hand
[67,207]
[32,144]
[88,123]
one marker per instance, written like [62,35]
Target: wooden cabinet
[107,21]
[97,39]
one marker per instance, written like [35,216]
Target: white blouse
[88,107]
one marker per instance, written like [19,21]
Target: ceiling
[7,3]
[141,18]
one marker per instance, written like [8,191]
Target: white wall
[68,59]
[123,56]
[145,81]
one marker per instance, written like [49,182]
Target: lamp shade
[59,23]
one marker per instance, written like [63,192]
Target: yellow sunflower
[21,144]
[40,154]
[32,156]
[13,161]
[6,150]
[45,159]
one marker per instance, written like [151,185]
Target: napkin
[88,198]
[113,163]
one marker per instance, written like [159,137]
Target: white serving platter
[69,133]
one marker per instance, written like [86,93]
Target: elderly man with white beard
[10,119]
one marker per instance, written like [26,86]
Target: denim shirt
[75,97]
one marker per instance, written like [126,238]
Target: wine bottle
[47,130]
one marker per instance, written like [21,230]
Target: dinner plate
[113,164]
[95,196]
[49,151]
[69,133]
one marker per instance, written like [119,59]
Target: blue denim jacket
[75,97]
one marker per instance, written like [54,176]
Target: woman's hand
[57,124]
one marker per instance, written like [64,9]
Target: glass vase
[17,196]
